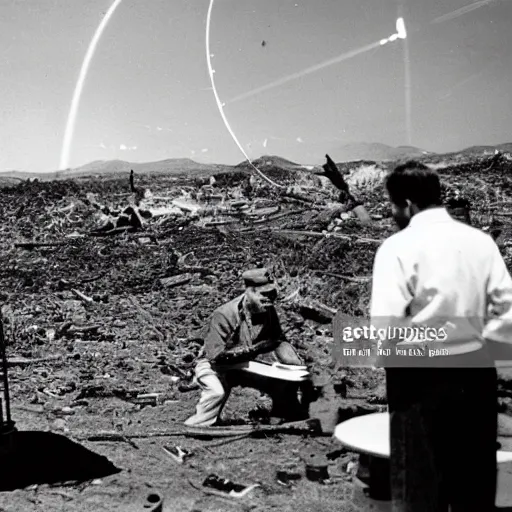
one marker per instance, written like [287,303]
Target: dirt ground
[128,332]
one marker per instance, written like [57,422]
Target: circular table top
[369,434]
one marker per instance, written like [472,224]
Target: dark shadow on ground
[48,458]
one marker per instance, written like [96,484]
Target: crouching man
[243,330]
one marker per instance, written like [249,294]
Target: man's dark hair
[415,182]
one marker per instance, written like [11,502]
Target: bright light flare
[401,33]
[400,28]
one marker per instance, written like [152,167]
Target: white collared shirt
[441,272]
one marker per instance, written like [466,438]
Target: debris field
[103,326]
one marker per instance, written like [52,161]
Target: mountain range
[374,152]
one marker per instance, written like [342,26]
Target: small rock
[351,467]
[171,282]
[80,403]
[60,424]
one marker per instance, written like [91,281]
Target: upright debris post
[6,423]
[331,171]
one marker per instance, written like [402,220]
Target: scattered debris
[138,338]
[316,466]
[181,279]
[177,453]
[287,478]
[25,361]
[154,503]
[309,426]
[226,486]
[314,310]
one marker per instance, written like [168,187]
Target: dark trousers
[443,428]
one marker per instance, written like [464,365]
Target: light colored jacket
[443,274]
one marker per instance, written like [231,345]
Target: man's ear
[412,209]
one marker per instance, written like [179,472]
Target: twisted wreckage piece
[154,503]
[309,426]
[331,171]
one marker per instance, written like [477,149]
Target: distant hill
[268,161]
[348,154]
[479,150]
[17,176]
[9,180]
[374,151]
[174,166]
[169,166]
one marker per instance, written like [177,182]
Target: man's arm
[219,333]
[283,349]
[243,354]
[499,300]
[390,293]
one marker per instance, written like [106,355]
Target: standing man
[441,274]
[241,331]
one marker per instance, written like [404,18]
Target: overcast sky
[147,95]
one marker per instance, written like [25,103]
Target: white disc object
[290,367]
[275,371]
[370,434]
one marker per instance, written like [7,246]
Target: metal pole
[4,373]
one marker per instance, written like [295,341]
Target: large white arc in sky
[219,103]
[70,126]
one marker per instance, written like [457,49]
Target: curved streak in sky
[463,10]
[68,135]
[219,103]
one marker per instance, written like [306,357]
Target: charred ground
[120,315]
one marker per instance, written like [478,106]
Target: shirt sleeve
[390,291]
[499,300]
[217,335]
[391,295]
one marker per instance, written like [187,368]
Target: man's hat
[260,278]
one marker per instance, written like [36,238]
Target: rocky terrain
[94,321]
